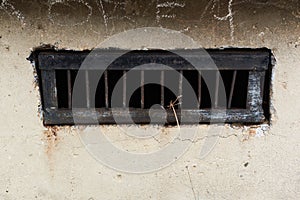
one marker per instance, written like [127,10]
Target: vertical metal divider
[142,89]
[69,89]
[87,88]
[180,89]
[249,96]
[49,89]
[232,89]
[106,88]
[124,88]
[217,89]
[254,97]
[162,88]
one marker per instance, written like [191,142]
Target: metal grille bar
[180,89]
[106,88]
[199,89]
[87,88]
[142,89]
[124,88]
[217,89]
[69,89]
[162,88]
[231,89]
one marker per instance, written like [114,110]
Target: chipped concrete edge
[256,130]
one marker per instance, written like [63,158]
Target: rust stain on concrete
[51,139]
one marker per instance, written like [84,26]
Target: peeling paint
[228,17]
[10,9]
[68,6]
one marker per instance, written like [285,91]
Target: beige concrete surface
[38,164]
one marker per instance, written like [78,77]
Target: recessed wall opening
[245,74]
[238,96]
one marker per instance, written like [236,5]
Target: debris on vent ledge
[248,131]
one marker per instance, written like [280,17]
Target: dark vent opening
[99,98]
[152,92]
[190,81]
[241,90]
[112,78]
[135,99]
[205,102]
[227,78]
[152,95]
[79,102]
[62,88]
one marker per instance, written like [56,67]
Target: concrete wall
[246,163]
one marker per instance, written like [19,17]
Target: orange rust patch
[252,132]
[51,139]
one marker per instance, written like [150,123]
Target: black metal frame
[256,61]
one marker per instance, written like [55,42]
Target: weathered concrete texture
[245,164]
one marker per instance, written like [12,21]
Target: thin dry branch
[171,105]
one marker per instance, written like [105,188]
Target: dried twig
[171,105]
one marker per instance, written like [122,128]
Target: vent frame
[256,61]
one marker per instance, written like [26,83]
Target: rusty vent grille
[245,74]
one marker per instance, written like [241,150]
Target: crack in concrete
[228,17]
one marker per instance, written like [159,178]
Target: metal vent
[245,74]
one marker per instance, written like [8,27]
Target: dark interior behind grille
[152,92]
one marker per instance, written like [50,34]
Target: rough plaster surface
[38,164]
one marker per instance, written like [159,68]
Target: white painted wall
[35,164]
